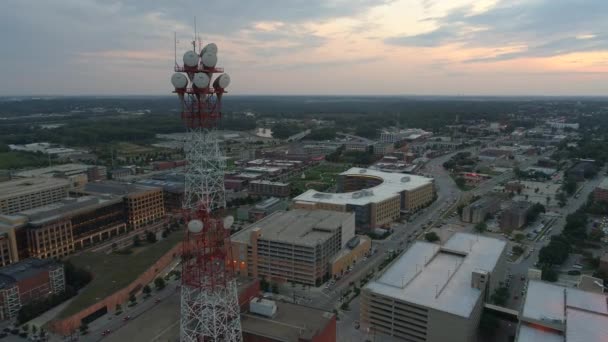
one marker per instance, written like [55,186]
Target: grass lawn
[112,272]
[19,160]
[318,177]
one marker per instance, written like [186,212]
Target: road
[521,269]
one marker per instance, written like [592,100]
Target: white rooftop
[604,184]
[420,275]
[581,314]
[531,334]
[392,184]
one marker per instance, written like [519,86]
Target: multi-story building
[173,191]
[514,217]
[296,245]
[600,193]
[358,146]
[377,198]
[265,208]
[145,206]
[478,211]
[556,313]
[22,194]
[268,188]
[382,149]
[26,281]
[9,252]
[73,172]
[435,293]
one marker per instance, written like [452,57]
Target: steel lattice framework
[209,297]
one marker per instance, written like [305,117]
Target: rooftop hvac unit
[405,179]
[263,307]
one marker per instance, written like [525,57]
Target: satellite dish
[223,81]
[179,81]
[228,221]
[209,59]
[190,59]
[195,226]
[211,48]
[201,80]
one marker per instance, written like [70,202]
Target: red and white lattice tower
[209,298]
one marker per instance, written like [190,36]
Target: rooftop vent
[405,179]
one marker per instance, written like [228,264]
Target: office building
[272,321]
[26,281]
[514,216]
[435,293]
[77,174]
[268,188]
[265,208]
[600,193]
[59,229]
[22,194]
[377,198]
[145,206]
[479,210]
[296,245]
[555,313]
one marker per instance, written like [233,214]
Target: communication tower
[209,298]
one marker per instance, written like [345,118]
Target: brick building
[267,188]
[28,280]
[477,211]
[600,193]
[514,217]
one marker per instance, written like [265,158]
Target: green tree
[481,227]
[275,288]
[517,250]
[431,237]
[159,283]
[150,237]
[146,290]
[132,299]
[549,274]
[460,182]
[518,237]
[500,296]
[136,241]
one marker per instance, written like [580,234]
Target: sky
[324,47]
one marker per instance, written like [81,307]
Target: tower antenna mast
[209,310]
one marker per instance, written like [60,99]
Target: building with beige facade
[295,245]
[59,229]
[145,204]
[23,194]
[377,198]
[435,292]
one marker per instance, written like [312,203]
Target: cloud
[544,28]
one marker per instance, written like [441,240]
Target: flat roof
[67,207]
[24,186]
[116,188]
[298,226]
[586,326]
[291,323]
[24,269]
[584,313]
[268,182]
[392,185]
[439,277]
[530,334]
[544,302]
[69,169]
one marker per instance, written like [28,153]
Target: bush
[159,283]
[548,274]
[431,237]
